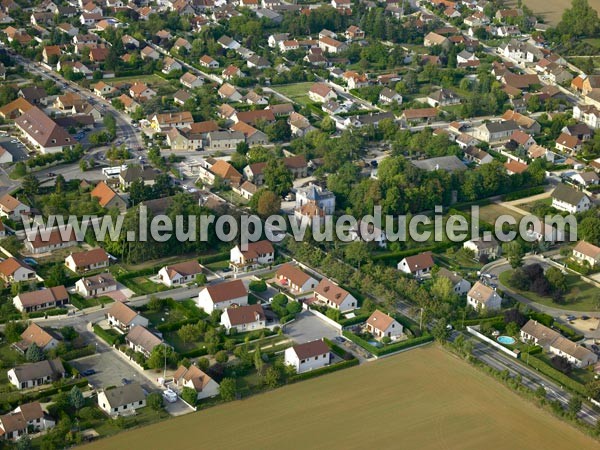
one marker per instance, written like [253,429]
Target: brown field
[552,10]
[489,213]
[422,399]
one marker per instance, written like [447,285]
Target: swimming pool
[506,340]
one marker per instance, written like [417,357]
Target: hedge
[397,256]
[568,332]
[213,258]
[194,353]
[408,323]
[388,348]
[523,193]
[354,320]
[16,398]
[323,370]
[79,353]
[542,318]
[49,312]
[106,336]
[556,375]
[337,349]
[174,326]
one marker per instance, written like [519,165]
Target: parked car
[88,372]
[169,395]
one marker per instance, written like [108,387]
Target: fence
[475,332]
[326,319]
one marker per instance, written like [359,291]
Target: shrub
[556,375]
[189,395]
[258,286]
[323,370]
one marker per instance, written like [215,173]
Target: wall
[474,331]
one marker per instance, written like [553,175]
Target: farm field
[425,399]
[490,213]
[552,10]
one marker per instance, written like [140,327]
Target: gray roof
[567,194]
[42,369]
[452,276]
[226,135]
[141,337]
[316,193]
[447,163]
[498,127]
[136,172]
[124,395]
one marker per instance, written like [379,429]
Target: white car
[14,141]
[170,395]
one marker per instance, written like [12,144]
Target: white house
[308,356]
[483,297]
[13,270]
[368,232]
[47,298]
[480,246]
[586,252]
[565,198]
[194,378]
[36,374]
[460,286]
[141,340]
[122,400]
[334,296]
[244,318]
[180,273]
[257,254]
[295,280]
[124,318]
[12,208]
[417,265]
[222,295]
[34,334]
[383,325]
[87,260]
[96,285]
[26,418]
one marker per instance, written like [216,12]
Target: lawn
[151,80]
[142,285]
[425,399]
[581,296]
[218,265]
[81,303]
[182,347]
[296,91]
[490,213]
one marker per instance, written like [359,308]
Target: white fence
[475,332]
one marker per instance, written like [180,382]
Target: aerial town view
[298,224]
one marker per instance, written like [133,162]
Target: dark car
[51,174]
[374,163]
[88,372]
[125,381]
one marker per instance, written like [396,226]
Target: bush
[189,395]
[105,335]
[556,375]
[523,193]
[323,370]
[194,353]
[388,348]
[338,350]
[79,353]
[258,286]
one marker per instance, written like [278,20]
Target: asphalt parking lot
[110,370]
[18,152]
[308,327]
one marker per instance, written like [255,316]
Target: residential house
[51,53]
[487,247]
[12,208]
[334,296]
[568,144]
[96,285]
[443,97]
[522,139]
[320,92]
[585,179]
[244,318]
[34,334]
[553,342]
[590,115]
[24,419]
[411,115]
[140,92]
[45,242]
[417,265]
[584,252]
[13,270]
[256,254]
[124,318]
[229,93]
[180,273]
[299,125]
[228,43]
[483,297]
[354,80]
[460,286]
[514,167]
[252,135]
[161,122]
[225,140]
[255,116]
[579,130]
[208,62]
[308,356]
[149,53]
[368,232]
[122,400]
[223,295]
[295,280]
[142,341]
[495,132]
[107,197]
[42,132]
[331,45]
[101,89]
[87,260]
[36,374]
[432,39]
[382,325]
[354,33]
[245,190]
[388,96]
[477,155]
[196,379]
[313,204]
[448,163]
[566,198]
[47,298]
[137,172]
[170,65]
[191,81]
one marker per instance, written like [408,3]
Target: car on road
[50,174]
[14,141]
[169,395]
[339,339]
[88,372]
[571,317]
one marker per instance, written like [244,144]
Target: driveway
[308,327]
[179,408]
[18,152]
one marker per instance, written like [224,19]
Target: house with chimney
[244,318]
[222,295]
[334,296]
[124,318]
[87,260]
[96,285]
[483,297]
[256,254]
[417,265]
[180,273]
[308,356]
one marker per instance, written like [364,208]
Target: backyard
[401,398]
[580,296]
[296,91]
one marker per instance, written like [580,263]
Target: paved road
[530,377]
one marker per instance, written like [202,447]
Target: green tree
[13,331]
[155,401]
[277,177]
[259,364]
[57,276]
[258,286]
[228,389]
[76,398]
[267,204]
[189,395]
[514,252]
[157,357]
[221,357]
[356,253]
[272,377]
[512,329]
[589,230]
[19,170]
[439,330]
[34,353]
[31,185]
[442,289]
[557,279]
[575,404]
[580,20]
[188,333]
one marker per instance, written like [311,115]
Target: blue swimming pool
[506,340]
